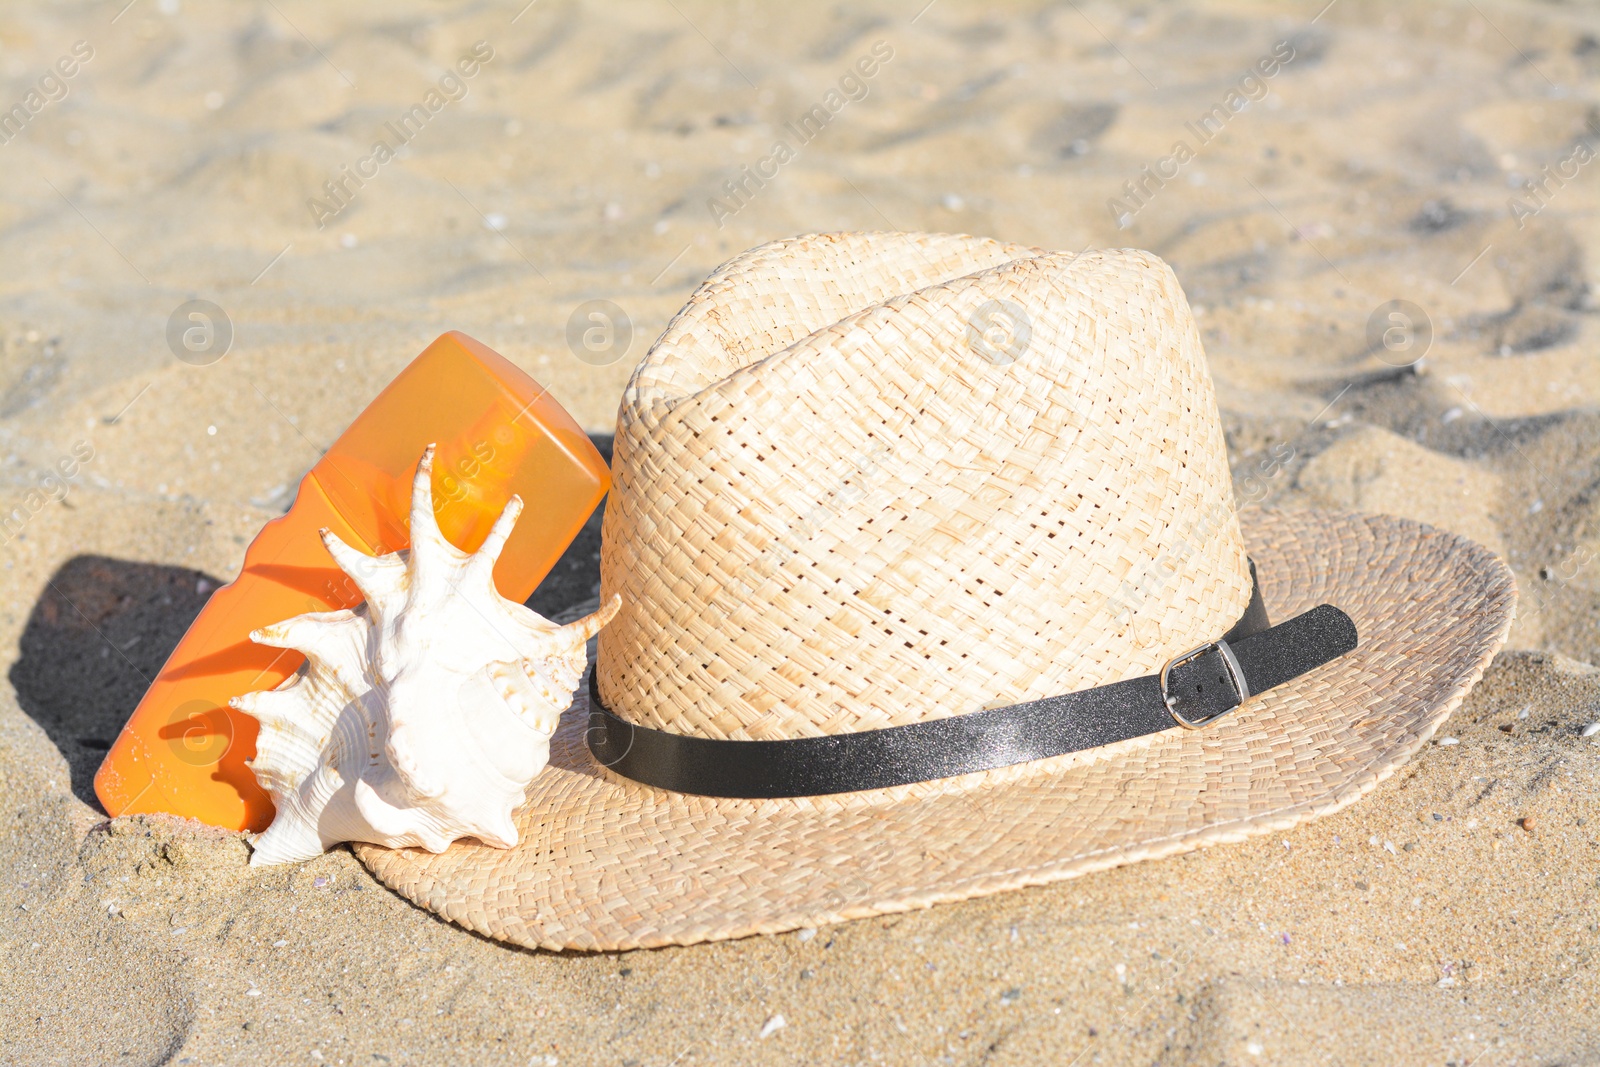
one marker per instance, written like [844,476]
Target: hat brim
[605,863]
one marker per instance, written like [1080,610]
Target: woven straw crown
[870,479]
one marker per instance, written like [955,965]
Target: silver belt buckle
[1235,675]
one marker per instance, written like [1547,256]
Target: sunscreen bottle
[498,432]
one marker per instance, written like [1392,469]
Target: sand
[1452,917]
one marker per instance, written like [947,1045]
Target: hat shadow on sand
[101,630]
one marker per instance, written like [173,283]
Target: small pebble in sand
[318,882]
[1449,741]
[772,1026]
[1526,822]
[1592,729]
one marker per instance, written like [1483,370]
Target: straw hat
[882,500]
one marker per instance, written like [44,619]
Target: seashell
[421,716]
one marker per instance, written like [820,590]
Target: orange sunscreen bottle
[498,433]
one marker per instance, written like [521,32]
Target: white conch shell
[421,716]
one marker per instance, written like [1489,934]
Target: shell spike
[590,625]
[272,706]
[349,560]
[564,639]
[488,553]
[304,633]
[424,524]
[375,576]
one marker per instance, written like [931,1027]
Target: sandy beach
[1421,168]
